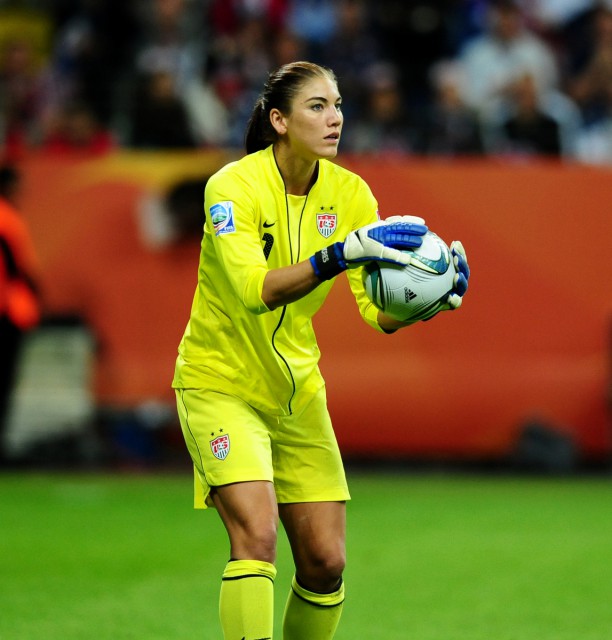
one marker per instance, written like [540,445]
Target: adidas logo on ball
[405,292]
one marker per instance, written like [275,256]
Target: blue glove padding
[384,241]
[399,234]
[463,275]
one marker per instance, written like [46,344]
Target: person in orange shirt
[19,299]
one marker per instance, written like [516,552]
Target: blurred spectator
[549,114]
[21,93]
[383,128]
[173,40]
[159,118]
[464,21]
[451,127]
[552,15]
[207,116]
[506,51]
[351,53]
[314,21]
[413,35]
[76,131]
[254,52]
[240,63]
[589,84]
[226,16]
[93,50]
[115,55]
[244,38]
[287,47]
[595,141]
[528,130]
[19,302]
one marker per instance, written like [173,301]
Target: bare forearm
[288,284]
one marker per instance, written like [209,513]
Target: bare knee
[256,542]
[322,570]
[316,532]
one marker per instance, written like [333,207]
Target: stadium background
[112,194]
[530,348]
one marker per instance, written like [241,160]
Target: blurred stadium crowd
[436,77]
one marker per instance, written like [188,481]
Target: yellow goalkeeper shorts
[230,441]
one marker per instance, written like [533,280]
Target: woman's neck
[298,174]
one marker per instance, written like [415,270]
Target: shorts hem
[340,495]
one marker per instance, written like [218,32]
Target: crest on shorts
[326,223]
[220,446]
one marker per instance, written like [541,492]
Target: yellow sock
[312,616]
[246,604]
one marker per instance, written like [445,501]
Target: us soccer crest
[220,446]
[326,223]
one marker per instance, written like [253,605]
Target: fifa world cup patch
[222,217]
[326,223]
[220,446]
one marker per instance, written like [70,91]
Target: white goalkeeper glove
[406,219]
[381,241]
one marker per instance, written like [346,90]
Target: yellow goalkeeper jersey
[233,343]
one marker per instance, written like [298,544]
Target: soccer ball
[410,292]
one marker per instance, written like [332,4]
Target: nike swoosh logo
[435,266]
[267,225]
[439,265]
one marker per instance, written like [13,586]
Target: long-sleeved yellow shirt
[233,343]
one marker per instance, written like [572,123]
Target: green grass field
[431,557]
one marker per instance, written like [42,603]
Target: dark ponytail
[259,132]
[278,92]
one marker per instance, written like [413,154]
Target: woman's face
[313,127]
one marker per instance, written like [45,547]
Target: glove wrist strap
[329,262]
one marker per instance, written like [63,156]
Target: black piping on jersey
[280,322]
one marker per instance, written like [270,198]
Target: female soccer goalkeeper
[281,223]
